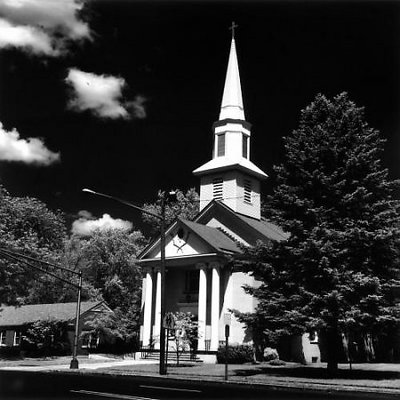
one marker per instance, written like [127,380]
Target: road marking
[112,395]
[170,388]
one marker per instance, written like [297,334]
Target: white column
[215,309]
[228,296]
[157,314]
[147,309]
[202,311]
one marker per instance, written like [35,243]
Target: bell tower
[230,176]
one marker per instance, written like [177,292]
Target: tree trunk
[333,349]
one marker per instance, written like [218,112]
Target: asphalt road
[78,386]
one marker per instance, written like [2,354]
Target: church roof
[222,163]
[262,229]
[213,236]
[22,315]
[266,228]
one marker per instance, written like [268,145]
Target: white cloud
[53,22]
[84,226]
[28,151]
[27,37]
[100,94]
[137,107]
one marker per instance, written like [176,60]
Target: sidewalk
[64,364]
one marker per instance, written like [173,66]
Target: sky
[120,96]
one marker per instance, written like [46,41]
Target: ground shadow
[319,373]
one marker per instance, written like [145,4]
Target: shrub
[277,362]
[10,352]
[46,339]
[236,354]
[270,354]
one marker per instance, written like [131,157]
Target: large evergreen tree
[337,270]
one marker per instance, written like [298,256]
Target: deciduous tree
[185,205]
[29,227]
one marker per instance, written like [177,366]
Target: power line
[8,255]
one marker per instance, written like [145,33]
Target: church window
[245,145]
[217,188]
[247,191]
[221,145]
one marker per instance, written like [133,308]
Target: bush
[277,362]
[236,354]
[46,339]
[10,352]
[270,354]
[118,346]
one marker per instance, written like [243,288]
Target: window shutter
[247,191]
[217,188]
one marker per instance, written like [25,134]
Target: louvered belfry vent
[247,191]
[217,188]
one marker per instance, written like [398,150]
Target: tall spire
[232,102]
[230,176]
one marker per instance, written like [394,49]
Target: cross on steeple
[232,28]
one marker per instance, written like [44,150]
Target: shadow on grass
[319,373]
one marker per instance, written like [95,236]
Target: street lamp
[161,218]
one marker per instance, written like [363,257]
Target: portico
[200,288]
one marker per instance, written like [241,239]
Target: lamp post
[161,218]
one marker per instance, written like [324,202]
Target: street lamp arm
[127,203]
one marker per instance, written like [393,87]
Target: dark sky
[175,55]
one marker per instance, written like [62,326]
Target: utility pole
[161,218]
[74,362]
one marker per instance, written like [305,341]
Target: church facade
[201,277]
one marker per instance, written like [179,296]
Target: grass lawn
[362,375]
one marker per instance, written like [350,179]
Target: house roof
[213,236]
[22,315]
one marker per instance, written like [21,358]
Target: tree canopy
[26,226]
[337,270]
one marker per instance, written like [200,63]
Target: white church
[199,277]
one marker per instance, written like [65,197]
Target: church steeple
[232,102]
[230,176]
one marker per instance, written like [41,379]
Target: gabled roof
[22,315]
[218,238]
[213,236]
[266,228]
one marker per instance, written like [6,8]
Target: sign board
[169,321]
[227,319]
